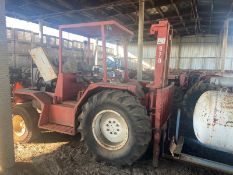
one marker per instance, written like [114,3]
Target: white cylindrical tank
[213,120]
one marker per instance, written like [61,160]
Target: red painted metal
[92,29]
[24,95]
[160,93]
[59,111]
[162,52]
[67,87]
[61,114]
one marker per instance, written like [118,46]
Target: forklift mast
[160,95]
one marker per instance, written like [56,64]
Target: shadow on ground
[54,137]
[73,158]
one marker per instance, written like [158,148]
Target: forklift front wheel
[24,121]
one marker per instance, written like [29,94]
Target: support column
[140,38]
[117,50]
[179,55]
[7,159]
[60,50]
[88,51]
[125,46]
[41,32]
[224,45]
[96,52]
[14,47]
[104,55]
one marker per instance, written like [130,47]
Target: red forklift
[117,120]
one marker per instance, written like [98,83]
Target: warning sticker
[161,40]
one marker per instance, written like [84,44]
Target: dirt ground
[56,154]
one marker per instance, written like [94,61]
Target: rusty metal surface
[160,95]
[213,120]
[162,30]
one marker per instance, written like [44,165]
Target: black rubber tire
[177,97]
[30,117]
[193,94]
[135,115]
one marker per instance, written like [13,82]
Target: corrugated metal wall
[148,55]
[194,52]
[197,52]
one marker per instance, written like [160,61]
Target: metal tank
[213,120]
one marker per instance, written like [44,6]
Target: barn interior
[198,60]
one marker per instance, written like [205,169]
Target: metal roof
[114,30]
[187,17]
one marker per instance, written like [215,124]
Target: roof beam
[196,16]
[119,12]
[113,4]
[211,14]
[136,9]
[157,8]
[178,13]
[230,11]
[56,14]
[27,3]
[65,4]
[170,18]
[50,8]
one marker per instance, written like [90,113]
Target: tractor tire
[25,119]
[193,94]
[115,127]
[177,97]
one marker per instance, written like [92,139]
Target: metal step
[59,128]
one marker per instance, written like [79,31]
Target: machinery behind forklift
[117,120]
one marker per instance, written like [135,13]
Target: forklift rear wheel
[24,121]
[110,129]
[115,127]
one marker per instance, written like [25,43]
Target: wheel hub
[19,126]
[110,129]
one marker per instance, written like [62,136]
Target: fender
[25,95]
[132,87]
